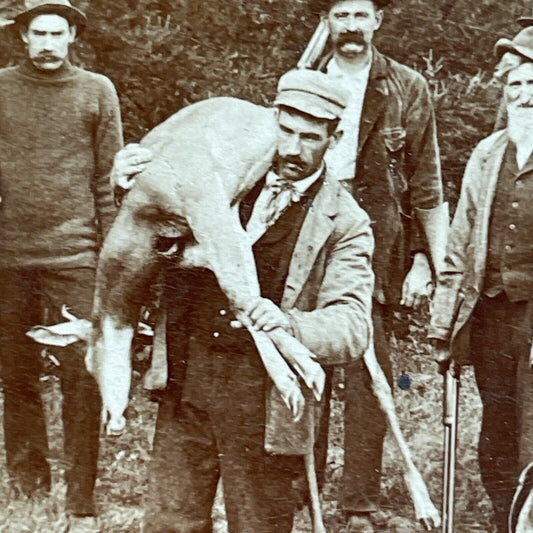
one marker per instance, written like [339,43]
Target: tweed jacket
[398,167]
[461,282]
[328,290]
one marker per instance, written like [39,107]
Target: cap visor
[309,104]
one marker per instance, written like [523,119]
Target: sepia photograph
[264,266]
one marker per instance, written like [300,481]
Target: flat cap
[322,6]
[522,44]
[63,8]
[313,93]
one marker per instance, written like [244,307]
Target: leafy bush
[164,54]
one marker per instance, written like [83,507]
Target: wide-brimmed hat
[63,8]
[522,44]
[313,93]
[526,20]
[321,6]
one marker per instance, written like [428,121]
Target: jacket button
[216,334]
[223,312]
[508,248]
[515,205]
[512,227]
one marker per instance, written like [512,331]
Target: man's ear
[24,35]
[72,34]
[379,18]
[335,138]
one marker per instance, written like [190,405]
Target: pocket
[394,138]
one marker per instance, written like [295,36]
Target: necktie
[276,196]
[283,193]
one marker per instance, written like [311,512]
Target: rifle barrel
[316,45]
[450,418]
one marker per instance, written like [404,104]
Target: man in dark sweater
[59,130]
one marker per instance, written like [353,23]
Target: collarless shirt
[341,159]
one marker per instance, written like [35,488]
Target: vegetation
[165,54]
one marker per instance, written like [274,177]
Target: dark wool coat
[398,167]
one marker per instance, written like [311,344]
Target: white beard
[520,124]
[520,129]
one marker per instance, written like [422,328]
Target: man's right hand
[128,162]
[441,351]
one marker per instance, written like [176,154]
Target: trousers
[25,294]
[365,424]
[218,431]
[500,341]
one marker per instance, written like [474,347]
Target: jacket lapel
[490,167]
[316,228]
[375,97]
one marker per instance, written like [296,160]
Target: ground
[122,479]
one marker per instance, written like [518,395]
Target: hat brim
[72,14]
[309,104]
[506,45]
[525,22]
[323,6]
[4,23]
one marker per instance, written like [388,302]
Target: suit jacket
[327,296]
[461,283]
[398,167]
[328,289]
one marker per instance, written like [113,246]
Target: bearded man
[482,301]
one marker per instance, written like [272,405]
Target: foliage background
[164,54]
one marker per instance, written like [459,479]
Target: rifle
[451,372]
[316,45]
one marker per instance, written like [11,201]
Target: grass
[122,477]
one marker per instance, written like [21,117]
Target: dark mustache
[294,160]
[46,57]
[355,37]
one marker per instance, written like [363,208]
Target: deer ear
[47,336]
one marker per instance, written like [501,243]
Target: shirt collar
[333,70]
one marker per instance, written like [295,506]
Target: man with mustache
[313,248]
[59,130]
[388,158]
[482,304]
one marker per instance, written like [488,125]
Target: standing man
[482,307]
[313,248]
[388,159]
[59,130]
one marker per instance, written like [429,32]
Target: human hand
[129,161]
[266,315]
[417,285]
[441,352]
